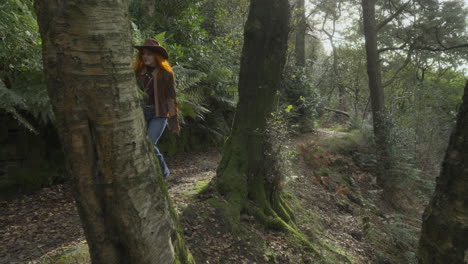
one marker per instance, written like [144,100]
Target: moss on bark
[445,227]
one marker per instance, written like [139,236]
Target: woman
[156,79]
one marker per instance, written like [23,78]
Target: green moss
[231,183]
[259,198]
[346,143]
[182,254]
[334,254]
[201,187]
[229,211]
[76,254]
[283,210]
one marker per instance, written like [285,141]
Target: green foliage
[431,28]
[22,85]
[279,149]
[19,36]
[161,15]
[27,98]
[190,94]
[422,116]
[406,236]
[347,143]
[301,100]
[205,59]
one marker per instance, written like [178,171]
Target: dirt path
[47,221]
[33,225]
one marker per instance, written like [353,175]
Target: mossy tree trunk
[444,237]
[121,197]
[244,176]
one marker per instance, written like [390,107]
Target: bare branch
[402,47]
[440,49]
[312,35]
[392,16]
[337,111]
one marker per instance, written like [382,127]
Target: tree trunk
[245,170]
[301,28]
[120,194]
[375,86]
[444,237]
[336,75]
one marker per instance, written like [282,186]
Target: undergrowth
[399,226]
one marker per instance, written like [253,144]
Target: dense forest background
[399,125]
[422,54]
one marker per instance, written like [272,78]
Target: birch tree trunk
[120,194]
[244,175]
[444,236]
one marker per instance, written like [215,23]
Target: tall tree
[121,197]
[301,28]
[333,9]
[375,83]
[445,227]
[245,172]
[398,33]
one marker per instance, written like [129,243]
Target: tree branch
[402,47]
[407,60]
[441,49]
[438,38]
[392,16]
[337,111]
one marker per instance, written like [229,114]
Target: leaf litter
[37,227]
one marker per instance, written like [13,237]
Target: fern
[27,97]
[22,86]
[10,102]
[191,95]
[406,235]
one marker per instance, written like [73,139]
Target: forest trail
[336,202]
[47,222]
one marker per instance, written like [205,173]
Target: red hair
[162,62]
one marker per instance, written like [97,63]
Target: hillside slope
[329,185]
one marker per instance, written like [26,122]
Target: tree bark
[301,28]
[445,226]
[375,85]
[244,173]
[120,194]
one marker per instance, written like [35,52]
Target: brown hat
[153,45]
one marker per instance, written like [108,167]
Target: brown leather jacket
[164,95]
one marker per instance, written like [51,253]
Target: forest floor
[329,186]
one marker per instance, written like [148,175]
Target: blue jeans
[156,126]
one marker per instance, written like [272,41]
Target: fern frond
[21,120]
[191,96]
[10,101]
[187,78]
[10,98]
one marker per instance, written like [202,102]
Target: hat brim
[159,50]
